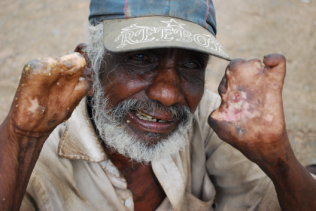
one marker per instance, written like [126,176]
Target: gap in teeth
[146,117]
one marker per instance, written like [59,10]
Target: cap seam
[125,8]
[162,16]
[207,9]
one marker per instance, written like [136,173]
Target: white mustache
[116,138]
[119,112]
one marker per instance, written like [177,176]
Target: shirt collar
[79,141]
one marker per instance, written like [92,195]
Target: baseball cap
[130,25]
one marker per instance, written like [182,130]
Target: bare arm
[251,119]
[48,92]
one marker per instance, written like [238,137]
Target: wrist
[280,164]
[14,130]
[13,136]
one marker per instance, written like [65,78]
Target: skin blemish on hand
[268,117]
[51,122]
[236,107]
[239,131]
[34,106]
[27,68]
[235,104]
[70,63]
[41,110]
[83,63]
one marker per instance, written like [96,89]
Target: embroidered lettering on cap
[135,34]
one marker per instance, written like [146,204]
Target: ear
[87,73]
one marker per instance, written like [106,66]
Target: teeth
[149,117]
[145,117]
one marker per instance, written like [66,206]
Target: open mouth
[147,117]
[155,124]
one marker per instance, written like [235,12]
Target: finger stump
[251,95]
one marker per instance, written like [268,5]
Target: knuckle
[71,63]
[40,66]
[235,63]
[282,57]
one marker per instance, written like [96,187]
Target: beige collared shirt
[74,173]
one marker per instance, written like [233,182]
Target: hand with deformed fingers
[48,92]
[251,119]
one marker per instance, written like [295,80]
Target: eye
[192,65]
[140,57]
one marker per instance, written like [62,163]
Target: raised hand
[48,92]
[251,117]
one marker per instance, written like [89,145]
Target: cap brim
[123,35]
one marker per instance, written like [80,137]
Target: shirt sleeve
[240,184]
[52,184]
[27,203]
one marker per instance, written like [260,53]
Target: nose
[165,87]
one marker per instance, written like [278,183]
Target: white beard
[107,122]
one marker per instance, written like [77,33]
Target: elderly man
[141,138]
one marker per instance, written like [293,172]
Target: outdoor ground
[247,28]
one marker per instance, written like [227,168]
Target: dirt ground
[247,28]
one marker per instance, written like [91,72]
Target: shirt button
[128,202]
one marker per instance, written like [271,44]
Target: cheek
[121,87]
[193,94]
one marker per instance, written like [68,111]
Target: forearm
[295,187]
[48,92]
[18,154]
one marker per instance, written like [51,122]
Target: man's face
[145,103]
[167,76]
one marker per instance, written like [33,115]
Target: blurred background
[246,28]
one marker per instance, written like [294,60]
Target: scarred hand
[48,92]
[251,116]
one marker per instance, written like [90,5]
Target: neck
[122,161]
[140,178]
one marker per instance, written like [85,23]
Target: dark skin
[169,76]
[251,119]
[141,181]
[50,90]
